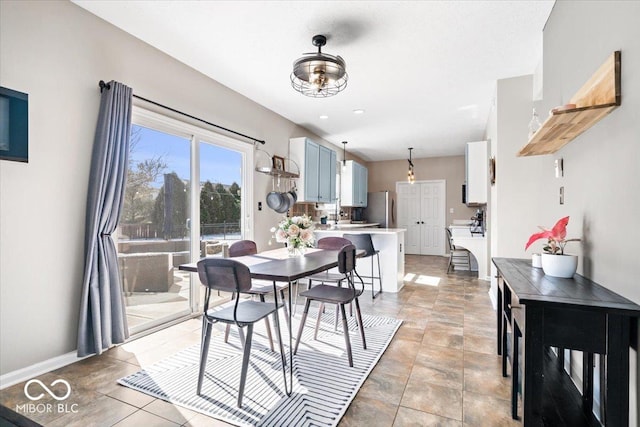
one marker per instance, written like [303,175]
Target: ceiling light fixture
[358,111]
[344,153]
[324,117]
[411,178]
[319,75]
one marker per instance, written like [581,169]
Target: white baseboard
[24,374]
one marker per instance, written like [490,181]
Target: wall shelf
[596,98]
[264,164]
[276,172]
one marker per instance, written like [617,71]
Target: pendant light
[411,178]
[319,75]
[344,153]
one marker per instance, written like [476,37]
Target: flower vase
[559,265]
[296,251]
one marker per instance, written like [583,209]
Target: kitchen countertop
[345,226]
[360,230]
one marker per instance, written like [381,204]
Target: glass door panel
[154,231]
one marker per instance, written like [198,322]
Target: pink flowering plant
[556,237]
[296,232]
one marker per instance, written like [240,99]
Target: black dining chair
[365,243]
[340,296]
[222,274]
[260,288]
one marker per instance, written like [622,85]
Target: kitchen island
[390,243]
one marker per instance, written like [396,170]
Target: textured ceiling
[423,71]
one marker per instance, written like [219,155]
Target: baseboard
[24,374]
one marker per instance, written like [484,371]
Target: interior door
[409,216]
[432,222]
[421,211]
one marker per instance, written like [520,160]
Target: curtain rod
[104,85]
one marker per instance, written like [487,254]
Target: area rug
[323,385]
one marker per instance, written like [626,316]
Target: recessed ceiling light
[358,111]
[324,117]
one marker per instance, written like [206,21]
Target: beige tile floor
[440,369]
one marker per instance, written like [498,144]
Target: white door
[421,211]
[432,222]
[409,215]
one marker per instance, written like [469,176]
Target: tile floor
[440,369]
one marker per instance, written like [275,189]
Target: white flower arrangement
[296,232]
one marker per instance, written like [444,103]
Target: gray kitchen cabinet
[354,185]
[317,164]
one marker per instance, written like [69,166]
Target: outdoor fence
[176,231]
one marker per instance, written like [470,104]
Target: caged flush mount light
[319,75]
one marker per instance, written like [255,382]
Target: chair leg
[302,322]
[379,275]
[320,310]
[450,264]
[346,334]
[245,363]
[227,329]
[204,351]
[360,324]
[268,325]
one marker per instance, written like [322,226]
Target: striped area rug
[323,383]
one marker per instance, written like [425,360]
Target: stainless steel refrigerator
[381,208]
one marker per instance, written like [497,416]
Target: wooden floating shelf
[597,98]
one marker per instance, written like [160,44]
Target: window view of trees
[156,202]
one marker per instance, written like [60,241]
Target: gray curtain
[103,321]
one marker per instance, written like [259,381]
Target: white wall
[57,52]
[602,166]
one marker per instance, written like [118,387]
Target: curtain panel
[103,321]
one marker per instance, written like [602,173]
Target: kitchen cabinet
[354,185]
[317,163]
[477,160]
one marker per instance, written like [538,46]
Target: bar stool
[364,242]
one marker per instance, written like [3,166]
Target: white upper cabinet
[354,185]
[477,160]
[317,164]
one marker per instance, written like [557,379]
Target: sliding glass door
[183,200]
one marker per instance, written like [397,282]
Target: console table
[536,311]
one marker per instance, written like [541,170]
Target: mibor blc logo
[35,390]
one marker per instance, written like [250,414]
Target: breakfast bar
[390,243]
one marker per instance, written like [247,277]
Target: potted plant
[554,261]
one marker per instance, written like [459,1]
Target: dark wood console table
[537,311]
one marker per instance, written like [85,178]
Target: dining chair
[337,295]
[364,242]
[261,288]
[457,255]
[223,274]
[334,244]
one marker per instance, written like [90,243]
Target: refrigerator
[381,208]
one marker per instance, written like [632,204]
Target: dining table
[277,265]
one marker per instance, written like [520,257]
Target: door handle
[421,222]
[417,222]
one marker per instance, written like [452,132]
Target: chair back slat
[347,259]
[242,248]
[333,243]
[449,239]
[362,242]
[223,274]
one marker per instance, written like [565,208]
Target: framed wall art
[14,125]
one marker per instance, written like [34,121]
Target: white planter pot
[559,265]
